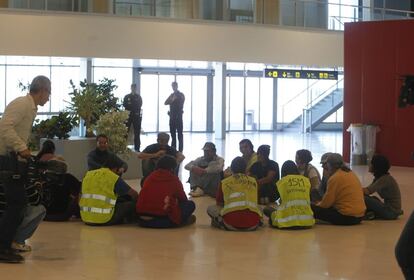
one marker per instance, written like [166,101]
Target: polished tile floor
[72,250]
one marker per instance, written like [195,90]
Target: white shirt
[16,124]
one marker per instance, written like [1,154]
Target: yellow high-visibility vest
[239,193]
[98,198]
[295,209]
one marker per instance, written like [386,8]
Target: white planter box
[75,151]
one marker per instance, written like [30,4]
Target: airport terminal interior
[245,74]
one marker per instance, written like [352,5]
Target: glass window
[199,106]
[235,66]
[61,86]
[67,61]
[23,74]
[235,102]
[149,94]
[148,62]
[122,77]
[166,63]
[266,104]
[28,60]
[185,86]
[164,91]
[112,62]
[252,103]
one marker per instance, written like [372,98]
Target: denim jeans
[16,199]
[32,217]
[187,209]
[380,209]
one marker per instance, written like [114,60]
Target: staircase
[317,111]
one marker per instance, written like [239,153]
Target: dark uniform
[176,119]
[133,103]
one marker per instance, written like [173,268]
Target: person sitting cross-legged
[387,188]
[162,202]
[205,172]
[236,202]
[294,211]
[266,172]
[106,199]
[343,202]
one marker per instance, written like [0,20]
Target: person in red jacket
[162,202]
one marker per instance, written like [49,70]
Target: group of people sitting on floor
[246,191]
[250,187]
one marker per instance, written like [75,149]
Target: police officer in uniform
[133,103]
[176,102]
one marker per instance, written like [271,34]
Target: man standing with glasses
[15,127]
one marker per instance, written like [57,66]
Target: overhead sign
[301,74]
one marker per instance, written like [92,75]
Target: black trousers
[404,250]
[16,199]
[135,119]
[332,216]
[176,125]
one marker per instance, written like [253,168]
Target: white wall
[62,34]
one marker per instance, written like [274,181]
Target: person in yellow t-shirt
[343,202]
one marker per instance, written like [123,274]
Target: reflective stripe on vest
[293,203]
[96,210]
[239,204]
[99,197]
[293,218]
[295,210]
[239,193]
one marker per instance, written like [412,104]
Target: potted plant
[57,126]
[92,100]
[112,124]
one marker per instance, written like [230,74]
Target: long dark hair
[48,147]
[380,166]
[289,168]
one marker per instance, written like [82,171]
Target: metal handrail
[309,105]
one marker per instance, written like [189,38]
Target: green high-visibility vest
[98,198]
[239,193]
[295,209]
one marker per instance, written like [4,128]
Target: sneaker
[370,215]
[197,192]
[268,211]
[10,256]
[21,247]
[191,220]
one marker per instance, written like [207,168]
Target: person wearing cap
[303,158]
[343,202]
[153,152]
[317,194]
[106,198]
[162,202]
[236,201]
[266,172]
[386,187]
[205,172]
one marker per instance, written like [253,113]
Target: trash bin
[363,142]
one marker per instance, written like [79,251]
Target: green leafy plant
[57,126]
[112,124]
[92,100]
